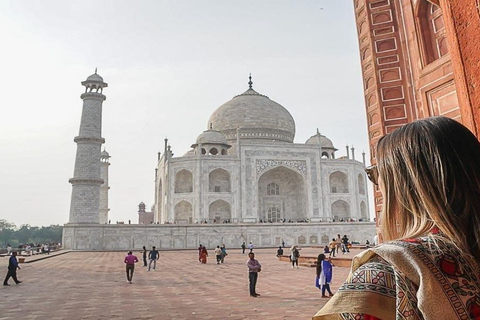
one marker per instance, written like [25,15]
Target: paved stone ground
[87,285]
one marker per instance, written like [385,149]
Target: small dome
[95,77]
[212,137]
[319,139]
[105,154]
[189,153]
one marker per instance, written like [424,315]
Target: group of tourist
[32,248]
[220,254]
[428,264]
[336,245]
[131,259]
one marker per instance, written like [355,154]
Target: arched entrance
[282,194]
[183,212]
[340,210]
[219,210]
[219,181]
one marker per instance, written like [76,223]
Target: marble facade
[124,237]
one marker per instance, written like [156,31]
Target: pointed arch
[340,210]
[219,181]
[183,181]
[290,201]
[219,210]
[361,183]
[183,212]
[338,182]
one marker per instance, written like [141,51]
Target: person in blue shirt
[12,269]
[153,256]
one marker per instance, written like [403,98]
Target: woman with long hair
[428,172]
[324,275]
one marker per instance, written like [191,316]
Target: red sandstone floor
[85,285]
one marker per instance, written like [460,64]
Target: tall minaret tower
[86,181]
[104,163]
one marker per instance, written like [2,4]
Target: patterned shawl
[410,279]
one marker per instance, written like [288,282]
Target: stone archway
[183,212]
[159,212]
[340,210]
[288,199]
[183,181]
[219,210]
[361,183]
[338,182]
[219,181]
[363,211]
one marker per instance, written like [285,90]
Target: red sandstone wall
[406,65]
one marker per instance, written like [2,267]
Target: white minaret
[86,181]
[104,163]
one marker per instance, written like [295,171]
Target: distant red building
[143,216]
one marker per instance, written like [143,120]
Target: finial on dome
[318,131]
[250,83]
[95,70]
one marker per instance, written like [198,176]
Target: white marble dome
[256,117]
[95,77]
[212,137]
[104,154]
[319,139]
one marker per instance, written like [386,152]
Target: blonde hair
[430,178]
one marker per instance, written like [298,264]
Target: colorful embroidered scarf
[411,279]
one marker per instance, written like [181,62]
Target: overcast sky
[169,65]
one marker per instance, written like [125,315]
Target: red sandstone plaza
[92,285]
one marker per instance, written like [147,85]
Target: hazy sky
[169,65]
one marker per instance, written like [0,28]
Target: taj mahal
[246,168]
[244,179]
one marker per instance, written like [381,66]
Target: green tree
[7,233]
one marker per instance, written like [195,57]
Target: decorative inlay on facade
[89,139]
[264,164]
[85,181]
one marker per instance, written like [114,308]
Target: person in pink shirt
[130,261]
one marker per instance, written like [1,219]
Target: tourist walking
[218,254]
[324,275]
[224,253]
[200,247]
[254,267]
[153,256]
[130,261]
[427,266]
[250,246]
[333,247]
[12,269]
[243,248]
[338,243]
[144,256]
[294,255]
[9,249]
[203,255]
[345,244]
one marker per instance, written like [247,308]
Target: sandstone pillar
[462,21]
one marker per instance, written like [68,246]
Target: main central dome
[255,117]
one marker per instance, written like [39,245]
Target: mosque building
[246,168]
